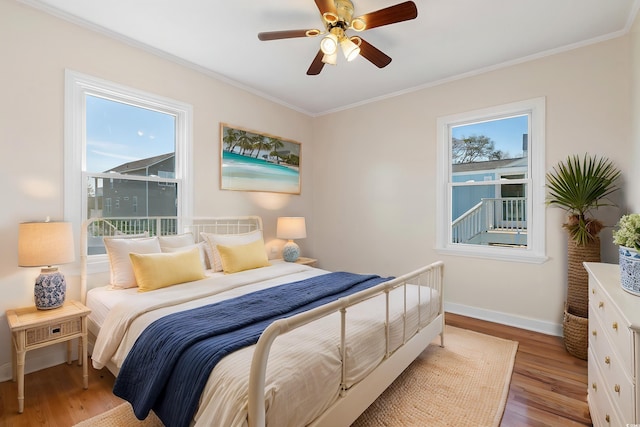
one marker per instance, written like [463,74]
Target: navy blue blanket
[169,364]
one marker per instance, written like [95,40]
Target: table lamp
[291,227]
[45,244]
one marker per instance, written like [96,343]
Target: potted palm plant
[579,186]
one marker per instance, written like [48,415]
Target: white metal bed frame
[354,400]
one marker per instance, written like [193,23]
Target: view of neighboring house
[117,198]
[493,213]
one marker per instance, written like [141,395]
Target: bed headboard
[95,229]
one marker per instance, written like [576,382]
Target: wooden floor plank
[548,386]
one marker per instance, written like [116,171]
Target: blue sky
[118,133]
[506,133]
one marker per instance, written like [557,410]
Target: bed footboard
[354,400]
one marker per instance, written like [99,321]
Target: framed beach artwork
[253,161]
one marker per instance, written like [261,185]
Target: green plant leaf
[579,185]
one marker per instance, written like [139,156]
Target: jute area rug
[466,383]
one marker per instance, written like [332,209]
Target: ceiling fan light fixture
[350,49]
[338,18]
[329,44]
[358,24]
[330,17]
[331,59]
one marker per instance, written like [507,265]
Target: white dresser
[614,349]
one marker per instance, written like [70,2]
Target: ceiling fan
[337,16]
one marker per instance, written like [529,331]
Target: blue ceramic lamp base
[50,289]
[290,251]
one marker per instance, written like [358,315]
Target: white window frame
[535,183]
[77,87]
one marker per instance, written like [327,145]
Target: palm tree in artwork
[244,141]
[275,144]
[230,138]
[260,143]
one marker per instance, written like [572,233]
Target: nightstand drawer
[53,331]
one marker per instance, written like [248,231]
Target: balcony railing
[98,229]
[506,215]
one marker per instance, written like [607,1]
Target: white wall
[382,218]
[36,49]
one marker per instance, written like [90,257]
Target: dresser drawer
[603,412]
[614,348]
[616,379]
[613,324]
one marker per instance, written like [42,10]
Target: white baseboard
[506,319]
[5,372]
[40,359]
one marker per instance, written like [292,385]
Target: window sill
[496,254]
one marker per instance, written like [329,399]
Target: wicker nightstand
[32,328]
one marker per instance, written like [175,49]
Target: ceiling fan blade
[390,15]
[316,65]
[373,54]
[287,34]
[325,6]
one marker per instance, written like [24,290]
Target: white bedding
[102,299]
[304,370]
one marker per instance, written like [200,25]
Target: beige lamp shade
[45,244]
[291,227]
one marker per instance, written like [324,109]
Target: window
[127,154]
[491,182]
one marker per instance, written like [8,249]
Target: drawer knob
[601,304]
[615,325]
[607,360]
[594,333]
[594,386]
[593,291]
[607,419]
[616,388]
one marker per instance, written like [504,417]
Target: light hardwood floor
[548,386]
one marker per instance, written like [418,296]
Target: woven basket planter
[577,276]
[576,334]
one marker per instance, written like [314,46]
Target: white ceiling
[448,39]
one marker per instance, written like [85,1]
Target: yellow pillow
[243,257]
[159,270]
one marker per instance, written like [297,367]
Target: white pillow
[213,240]
[176,240]
[201,250]
[118,249]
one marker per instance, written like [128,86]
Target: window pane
[492,221]
[492,152]
[120,135]
[505,138]
[124,204]
[123,198]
